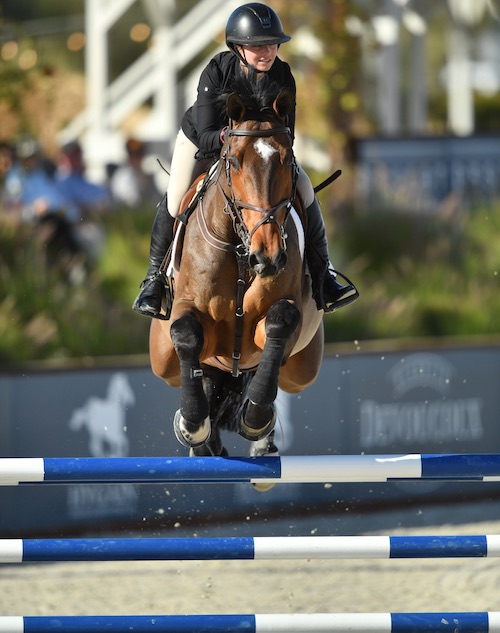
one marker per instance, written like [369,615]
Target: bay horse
[243,320]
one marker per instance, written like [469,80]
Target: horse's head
[261,176]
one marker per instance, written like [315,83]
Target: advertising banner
[425,401]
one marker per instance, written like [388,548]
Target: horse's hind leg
[259,417]
[191,421]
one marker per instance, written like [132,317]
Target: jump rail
[317,469]
[474,622]
[248,548]
[286,469]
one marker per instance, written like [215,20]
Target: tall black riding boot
[327,292]
[153,289]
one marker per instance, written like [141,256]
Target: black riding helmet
[254,24]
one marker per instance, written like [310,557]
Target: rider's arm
[208,117]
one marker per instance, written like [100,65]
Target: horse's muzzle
[265,266]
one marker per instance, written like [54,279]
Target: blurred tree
[41,69]
[327,64]
[21,10]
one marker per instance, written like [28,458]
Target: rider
[253,35]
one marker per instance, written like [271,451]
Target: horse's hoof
[204,451]
[191,440]
[263,487]
[264,448]
[254,435]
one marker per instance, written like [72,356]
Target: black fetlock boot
[153,289]
[327,292]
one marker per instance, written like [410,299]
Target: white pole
[460,95]
[96,72]
[163,121]
[417,90]
[387,29]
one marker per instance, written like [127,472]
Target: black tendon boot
[327,292]
[152,295]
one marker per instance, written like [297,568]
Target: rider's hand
[223,134]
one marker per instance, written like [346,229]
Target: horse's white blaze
[264,148]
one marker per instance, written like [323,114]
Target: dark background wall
[422,172]
[430,400]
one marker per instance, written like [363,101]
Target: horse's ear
[283,104]
[235,107]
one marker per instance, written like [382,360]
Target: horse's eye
[234,163]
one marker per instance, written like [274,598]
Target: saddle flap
[188,204]
[299,218]
[299,227]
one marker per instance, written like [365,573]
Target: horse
[243,320]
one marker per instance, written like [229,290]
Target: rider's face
[262,57]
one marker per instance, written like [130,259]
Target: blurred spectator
[7,159]
[130,184]
[87,199]
[31,195]
[29,190]
[7,164]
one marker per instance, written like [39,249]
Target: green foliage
[418,276]
[421,276]
[43,315]
[327,65]
[33,9]
[12,81]
[486,107]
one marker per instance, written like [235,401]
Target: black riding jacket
[203,122]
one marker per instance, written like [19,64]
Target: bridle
[234,206]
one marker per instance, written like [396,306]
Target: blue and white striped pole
[286,469]
[474,622]
[249,548]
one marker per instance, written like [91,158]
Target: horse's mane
[257,93]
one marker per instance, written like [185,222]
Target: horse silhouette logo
[104,419]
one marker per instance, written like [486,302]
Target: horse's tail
[226,396]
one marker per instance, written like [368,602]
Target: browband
[271,132]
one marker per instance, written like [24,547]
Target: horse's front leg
[259,416]
[191,421]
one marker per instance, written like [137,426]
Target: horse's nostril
[258,257]
[257,260]
[266,266]
[252,260]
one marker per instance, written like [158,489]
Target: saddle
[189,203]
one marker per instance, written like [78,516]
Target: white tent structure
[153,76]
